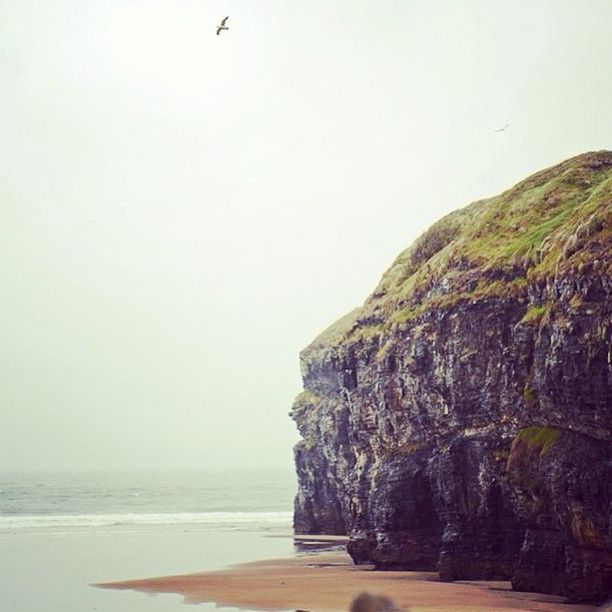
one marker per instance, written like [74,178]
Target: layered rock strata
[461,419]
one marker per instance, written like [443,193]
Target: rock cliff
[461,420]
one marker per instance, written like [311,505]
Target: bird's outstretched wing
[503,129]
[219,31]
[224,20]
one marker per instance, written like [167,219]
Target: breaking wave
[227,520]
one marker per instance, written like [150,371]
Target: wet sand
[328,581]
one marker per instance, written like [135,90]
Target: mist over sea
[62,531]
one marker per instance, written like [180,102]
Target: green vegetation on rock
[306,398]
[539,438]
[554,222]
[528,394]
[530,446]
[535,313]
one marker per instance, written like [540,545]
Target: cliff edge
[461,419]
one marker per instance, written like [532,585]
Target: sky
[182,213]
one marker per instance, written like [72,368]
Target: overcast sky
[183,212]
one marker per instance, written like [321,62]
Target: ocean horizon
[61,532]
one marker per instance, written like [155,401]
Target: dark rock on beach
[461,419]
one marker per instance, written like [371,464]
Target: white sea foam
[219,519]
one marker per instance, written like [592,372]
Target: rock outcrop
[462,418]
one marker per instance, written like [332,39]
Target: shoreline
[327,581]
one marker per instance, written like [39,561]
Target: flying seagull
[222,26]
[503,129]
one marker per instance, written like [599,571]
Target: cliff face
[462,419]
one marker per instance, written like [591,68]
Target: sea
[61,533]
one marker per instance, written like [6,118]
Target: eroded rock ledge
[461,419]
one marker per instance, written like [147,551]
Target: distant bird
[498,130]
[222,26]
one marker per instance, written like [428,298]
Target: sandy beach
[328,581]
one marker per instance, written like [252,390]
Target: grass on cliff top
[555,220]
[336,332]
